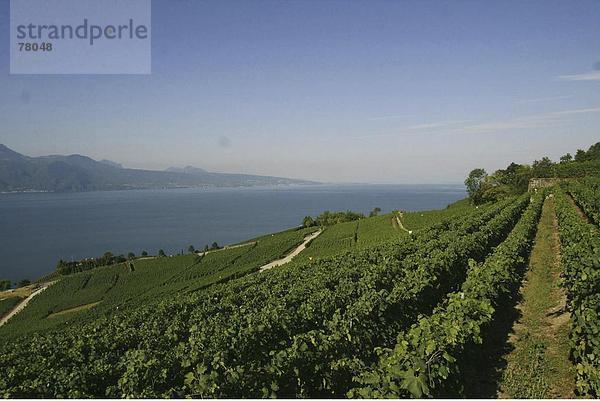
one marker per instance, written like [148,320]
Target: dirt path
[295,252]
[24,303]
[538,365]
[399,221]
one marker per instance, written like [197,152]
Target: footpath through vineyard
[538,365]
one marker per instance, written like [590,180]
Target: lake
[38,229]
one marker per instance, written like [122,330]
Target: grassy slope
[539,366]
[8,304]
[355,234]
[118,288]
[421,219]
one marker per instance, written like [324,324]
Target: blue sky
[347,91]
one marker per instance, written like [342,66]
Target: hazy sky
[394,91]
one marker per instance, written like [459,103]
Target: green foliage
[474,184]
[8,304]
[566,158]
[515,178]
[425,355]
[375,212]
[333,240]
[328,218]
[578,169]
[426,218]
[65,268]
[543,168]
[23,283]
[308,221]
[5,285]
[375,230]
[593,153]
[342,237]
[587,196]
[370,231]
[580,258]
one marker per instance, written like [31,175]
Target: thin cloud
[586,76]
[518,123]
[441,124]
[526,122]
[392,117]
[579,111]
[544,99]
[539,120]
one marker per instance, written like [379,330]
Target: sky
[334,91]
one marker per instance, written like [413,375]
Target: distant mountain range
[76,173]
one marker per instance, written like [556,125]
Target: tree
[161,253]
[543,168]
[308,221]
[131,255]
[474,184]
[328,218]
[214,245]
[144,253]
[492,193]
[566,158]
[4,285]
[191,249]
[206,248]
[593,152]
[23,283]
[580,155]
[523,175]
[375,212]
[515,180]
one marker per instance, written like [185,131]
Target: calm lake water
[37,229]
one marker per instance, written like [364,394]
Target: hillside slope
[81,173]
[375,311]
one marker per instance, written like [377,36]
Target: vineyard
[587,196]
[6,305]
[117,288]
[367,310]
[581,262]
[363,233]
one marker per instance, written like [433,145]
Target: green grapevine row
[587,195]
[321,362]
[580,258]
[426,354]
